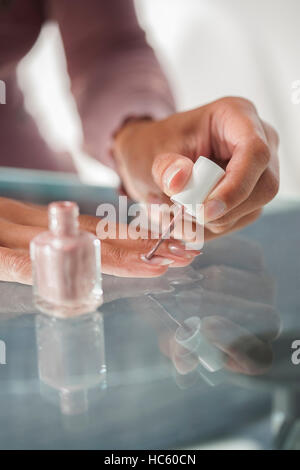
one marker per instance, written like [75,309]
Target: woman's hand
[155,159]
[20,222]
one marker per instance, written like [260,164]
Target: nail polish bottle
[205,176]
[66,265]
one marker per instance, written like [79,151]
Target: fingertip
[171,172]
[175,178]
[149,268]
[214,209]
[118,261]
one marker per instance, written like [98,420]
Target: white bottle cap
[205,175]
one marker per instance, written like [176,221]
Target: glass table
[131,376]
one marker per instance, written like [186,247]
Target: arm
[114,73]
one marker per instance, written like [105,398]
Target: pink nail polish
[179,250]
[66,265]
[170,173]
[157,260]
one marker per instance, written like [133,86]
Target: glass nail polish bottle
[66,265]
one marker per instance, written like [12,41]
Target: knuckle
[235,194]
[16,263]
[237,102]
[160,161]
[261,150]
[115,255]
[17,266]
[147,245]
[275,136]
[225,220]
[89,223]
[270,187]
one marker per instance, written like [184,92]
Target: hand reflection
[234,298]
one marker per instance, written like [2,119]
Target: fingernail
[197,246]
[157,260]
[214,209]
[178,250]
[169,174]
[216,228]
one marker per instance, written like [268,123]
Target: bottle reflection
[71,358]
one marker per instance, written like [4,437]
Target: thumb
[171,172]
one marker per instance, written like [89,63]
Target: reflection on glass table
[71,358]
[196,355]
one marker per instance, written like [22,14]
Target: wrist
[128,134]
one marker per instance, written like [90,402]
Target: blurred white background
[209,49]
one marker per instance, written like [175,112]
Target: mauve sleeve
[114,72]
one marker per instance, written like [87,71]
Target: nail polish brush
[162,238]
